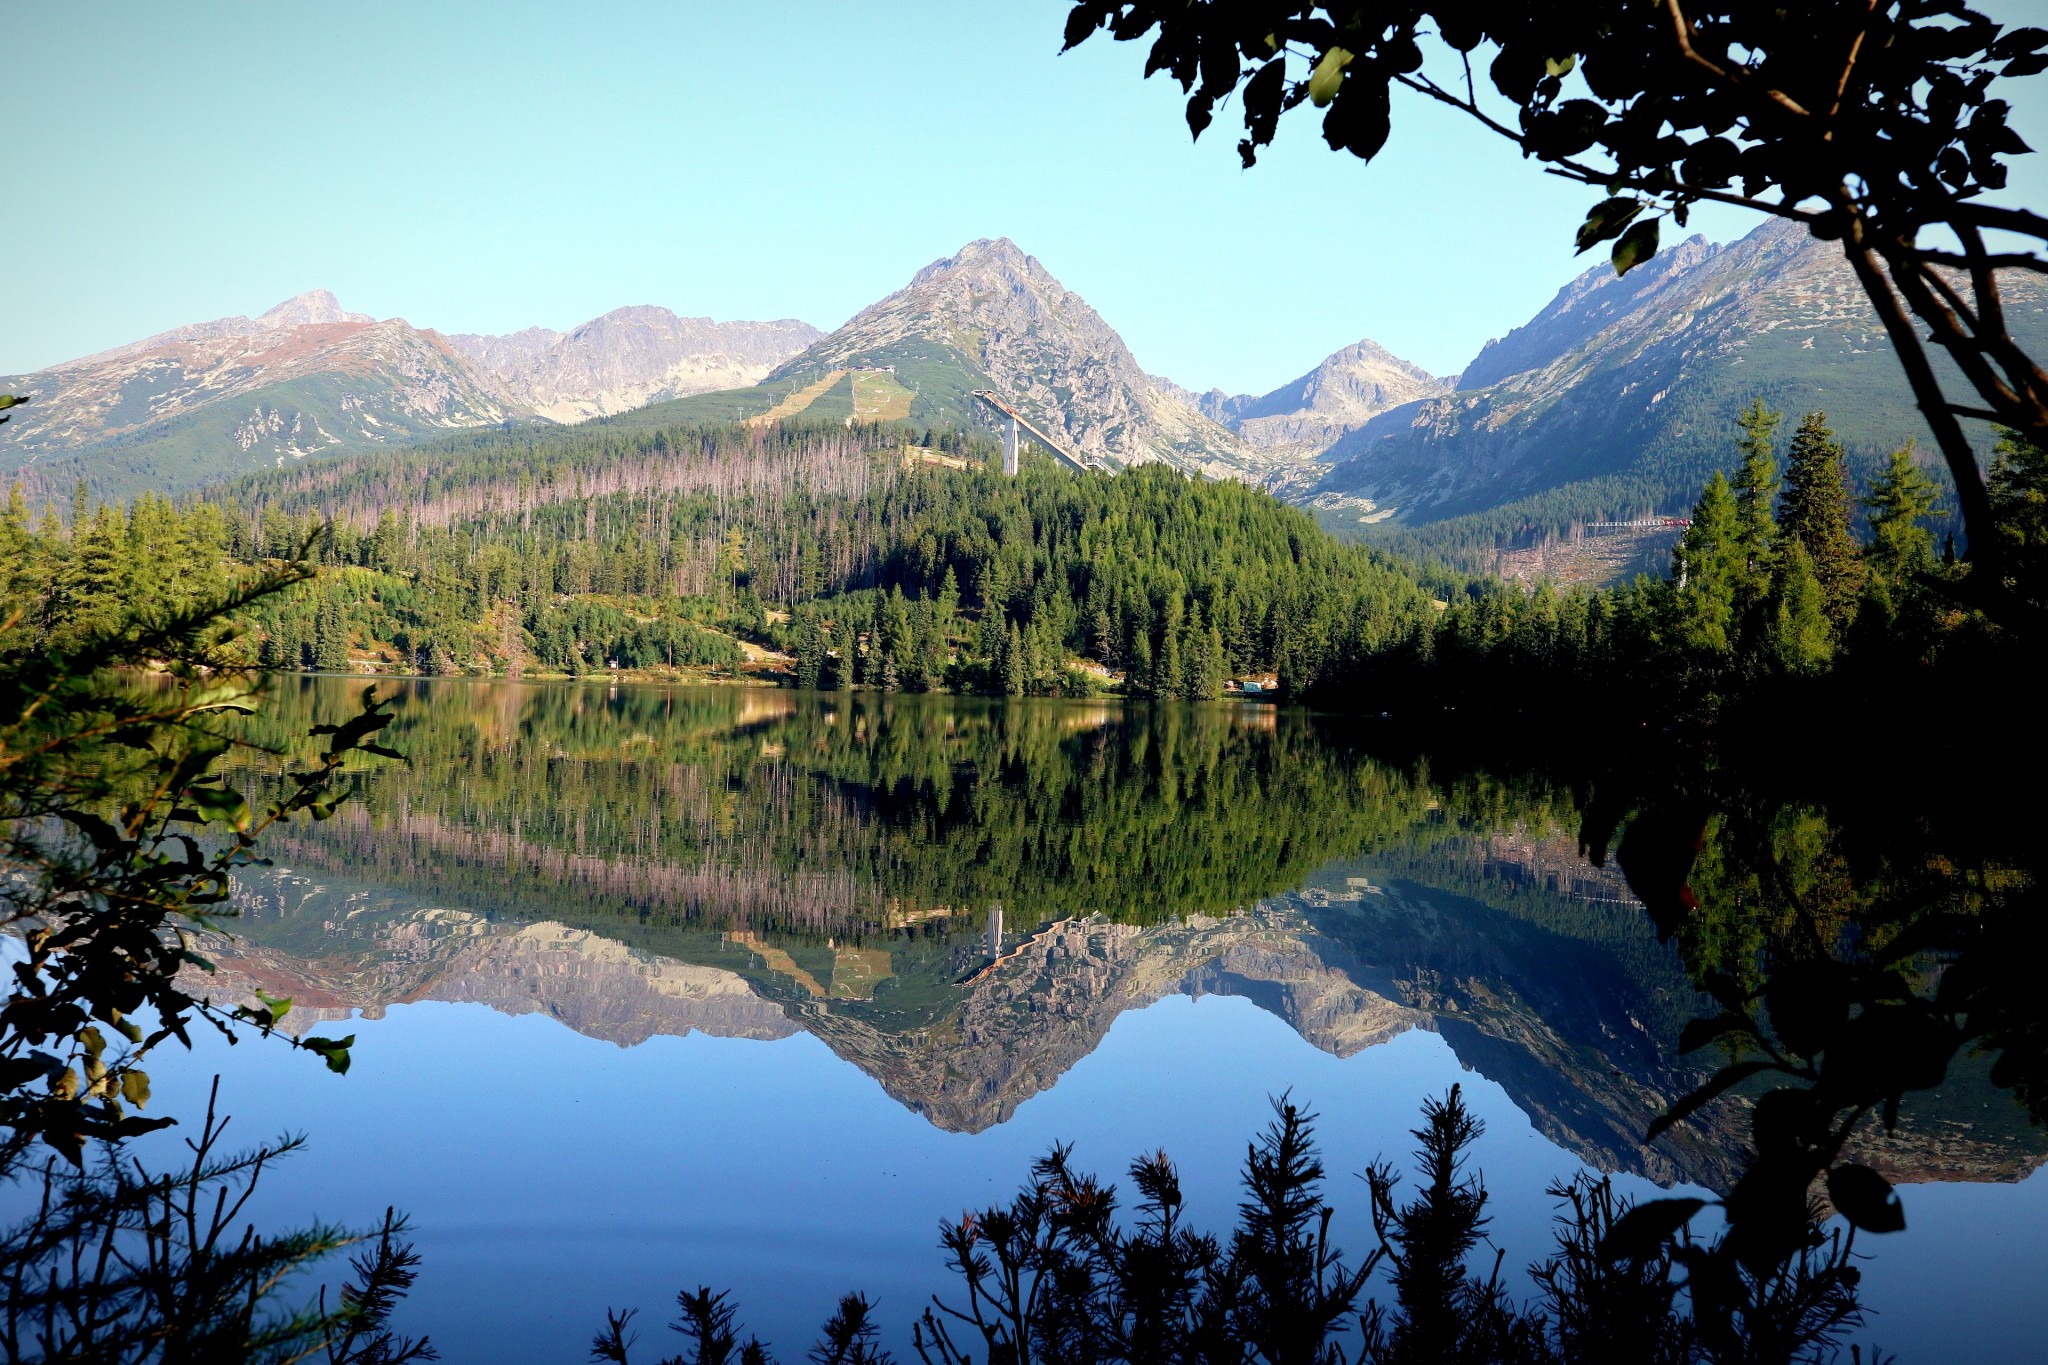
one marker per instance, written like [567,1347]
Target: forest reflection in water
[960,898]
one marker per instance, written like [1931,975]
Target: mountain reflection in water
[960,898]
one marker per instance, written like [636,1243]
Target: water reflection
[960,898]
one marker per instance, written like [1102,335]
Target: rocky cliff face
[1349,966]
[1023,1024]
[366,955]
[227,397]
[629,358]
[1626,388]
[1001,314]
[239,394]
[1337,396]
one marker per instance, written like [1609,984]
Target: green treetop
[1708,569]
[1899,499]
[1756,488]
[2019,495]
[1815,513]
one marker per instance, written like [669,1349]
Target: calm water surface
[661,987]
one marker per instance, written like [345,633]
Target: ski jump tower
[1017,427]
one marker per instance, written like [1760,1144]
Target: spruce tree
[1756,489]
[1900,498]
[1138,673]
[1102,637]
[20,570]
[1214,670]
[874,660]
[94,586]
[1193,654]
[2019,503]
[1043,665]
[1708,569]
[899,642]
[810,649]
[1169,675]
[1815,513]
[330,638]
[1012,663]
[1802,640]
[843,642]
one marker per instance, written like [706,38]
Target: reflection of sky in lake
[628,862]
[550,1175]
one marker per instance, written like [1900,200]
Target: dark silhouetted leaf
[1637,245]
[1866,1199]
[1606,219]
[1644,1229]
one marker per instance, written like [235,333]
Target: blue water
[550,1176]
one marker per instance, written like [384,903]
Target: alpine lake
[655,987]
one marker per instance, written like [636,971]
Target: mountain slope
[1310,413]
[629,358]
[993,317]
[226,397]
[237,394]
[1619,397]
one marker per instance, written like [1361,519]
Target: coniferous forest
[841,558]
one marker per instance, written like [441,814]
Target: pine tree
[1756,491]
[1900,498]
[330,638]
[94,584]
[1708,570]
[899,642]
[1802,640]
[1214,668]
[1102,637]
[2019,504]
[1138,673]
[1169,674]
[1815,512]
[844,644]
[810,649]
[1012,663]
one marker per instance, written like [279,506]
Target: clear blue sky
[489,166]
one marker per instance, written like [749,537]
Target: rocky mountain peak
[983,258]
[628,358]
[991,316]
[1349,387]
[313,306]
[1580,311]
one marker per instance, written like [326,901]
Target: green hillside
[941,381]
[306,418]
[1619,400]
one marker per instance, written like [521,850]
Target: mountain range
[1614,401]
[308,378]
[1618,399]
[1349,962]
